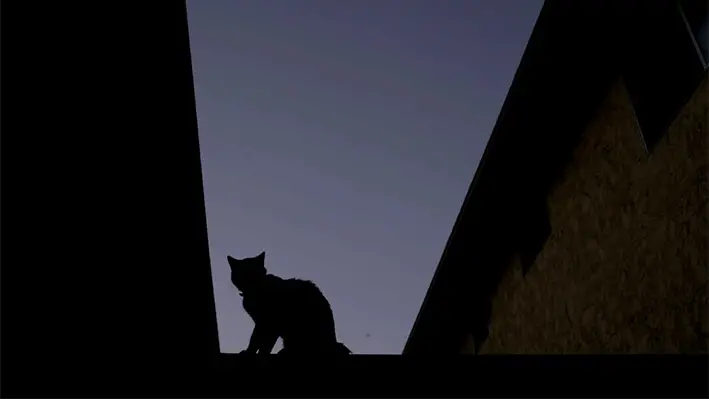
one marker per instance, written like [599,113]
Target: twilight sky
[340,136]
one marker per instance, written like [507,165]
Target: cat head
[247,272]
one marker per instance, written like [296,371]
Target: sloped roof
[562,77]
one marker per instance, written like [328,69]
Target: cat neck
[262,284]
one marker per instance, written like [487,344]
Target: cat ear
[261,262]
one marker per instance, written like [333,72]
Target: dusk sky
[340,136]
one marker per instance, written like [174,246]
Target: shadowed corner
[592,140]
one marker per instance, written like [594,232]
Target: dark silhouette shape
[294,310]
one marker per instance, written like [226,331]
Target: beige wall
[625,268]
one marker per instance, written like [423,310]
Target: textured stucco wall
[625,268]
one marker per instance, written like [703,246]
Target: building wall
[625,268]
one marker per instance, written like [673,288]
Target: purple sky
[340,136]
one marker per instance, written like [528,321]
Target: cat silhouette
[292,309]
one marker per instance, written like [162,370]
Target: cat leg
[268,341]
[262,341]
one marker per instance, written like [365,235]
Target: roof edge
[539,25]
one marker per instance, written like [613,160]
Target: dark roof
[563,74]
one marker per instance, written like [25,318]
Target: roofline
[526,55]
[557,88]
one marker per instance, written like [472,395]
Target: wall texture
[625,268]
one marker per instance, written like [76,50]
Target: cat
[294,310]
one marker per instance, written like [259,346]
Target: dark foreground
[495,376]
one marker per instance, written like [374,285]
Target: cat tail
[342,349]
